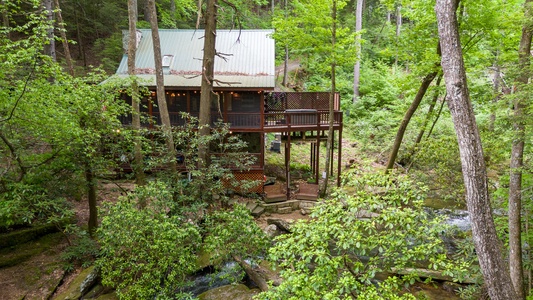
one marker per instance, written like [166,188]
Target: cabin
[245,82]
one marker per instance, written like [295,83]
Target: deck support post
[339,156]
[317,157]
[288,164]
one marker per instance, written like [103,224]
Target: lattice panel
[257,176]
[280,101]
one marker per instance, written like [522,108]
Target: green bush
[379,227]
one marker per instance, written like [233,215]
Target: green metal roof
[249,57]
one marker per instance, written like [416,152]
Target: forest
[436,170]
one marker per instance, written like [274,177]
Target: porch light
[174,95]
[153,94]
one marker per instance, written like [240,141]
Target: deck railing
[287,118]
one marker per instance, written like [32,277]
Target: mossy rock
[13,255]
[28,234]
[75,290]
[232,291]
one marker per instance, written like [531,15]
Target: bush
[379,227]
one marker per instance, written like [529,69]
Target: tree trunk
[64,40]
[329,145]
[487,245]
[161,97]
[407,118]
[135,97]
[50,46]
[496,88]
[517,160]
[81,49]
[207,80]
[91,198]
[286,62]
[173,11]
[5,18]
[357,66]
[398,30]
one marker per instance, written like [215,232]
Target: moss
[14,255]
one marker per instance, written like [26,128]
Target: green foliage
[375,224]
[146,252]
[237,230]
[82,250]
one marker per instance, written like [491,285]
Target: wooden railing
[287,118]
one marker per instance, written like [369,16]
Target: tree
[357,66]
[160,86]
[64,39]
[488,247]
[517,156]
[208,67]
[50,46]
[135,98]
[331,116]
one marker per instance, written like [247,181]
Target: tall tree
[208,68]
[135,97]
[331,116]
[50,46]
[160,86]
[486,242]
[357,66]
[407,118]
[64,40]
[517,156]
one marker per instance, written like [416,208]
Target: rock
[272,230]
[281,224]
[232,291]
[89,281]
[303,212]
[74,291]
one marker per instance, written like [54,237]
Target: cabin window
[246,102]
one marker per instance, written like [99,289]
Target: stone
[259,210]
[89,281]
[74,291]
[285,210]
[271,230]
[281,224]
[303,212]
[232,291]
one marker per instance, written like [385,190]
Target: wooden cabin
[245,87]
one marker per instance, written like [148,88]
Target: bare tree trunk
[286,62]
[517,159]
[329,145]
[62,32]
[50,47]
[161,97]
[398,30]
[173,11]
[357,66]
[135,97]
[407,118]
[488,246]
[207,79]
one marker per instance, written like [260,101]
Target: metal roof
[249,62]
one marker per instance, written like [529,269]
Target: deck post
[339,155]
[317,157]
[288,164]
